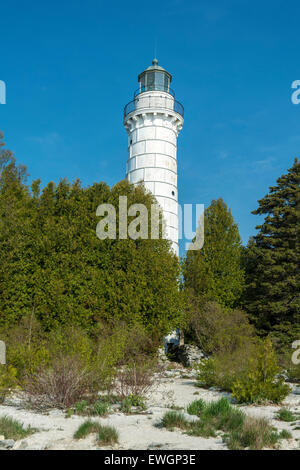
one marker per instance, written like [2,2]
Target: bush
[8,381]
[224,368]
[62,385]
[136,378]
[217,330]
[259,382]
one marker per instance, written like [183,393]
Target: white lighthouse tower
[153,121]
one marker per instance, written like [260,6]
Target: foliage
[240,431]
[62,385]
[132,401]
[135,379]
[214,273]
[286,415]
[215,329]
[260,383]
[107,435]
[250,373]
[13,429]
[53,264]
[8,380]
[272,261]
[254,434]
[174,419]
[196,407]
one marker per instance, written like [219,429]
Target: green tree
[215,272]
[272,260]
[53,265]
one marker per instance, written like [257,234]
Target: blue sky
[70,67]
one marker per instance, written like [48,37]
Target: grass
[83,408]
[107,435]
[196,407]
[254,434]
[12,429]
[174,419]
[286,415]
[85,429]
[135,401]
[239,431]
[285,434]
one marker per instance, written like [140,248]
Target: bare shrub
[136,378]
[62,385]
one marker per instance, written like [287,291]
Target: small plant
[126,406]
[81,406]
[286,415]
[196,407]
[285,434]
[100,408]
[240,431]
[107,435]
[254,434]
[12,429]
[174,419]
[85,429]
[132,401]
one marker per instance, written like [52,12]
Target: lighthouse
[153,121]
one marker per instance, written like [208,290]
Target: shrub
[13,429]
[136,378]
[223,369]
[26,347]
[62,385]
[8,381]
[216,329]
[259,382]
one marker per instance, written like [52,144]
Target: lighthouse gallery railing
[148,102]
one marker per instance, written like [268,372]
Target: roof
[155,67]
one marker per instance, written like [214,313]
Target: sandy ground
[138,431]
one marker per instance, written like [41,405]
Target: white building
[153,121]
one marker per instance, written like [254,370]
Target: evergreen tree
[215,272]
[272,259]
[53,264]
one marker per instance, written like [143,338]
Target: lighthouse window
[150,80]
[173,193]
